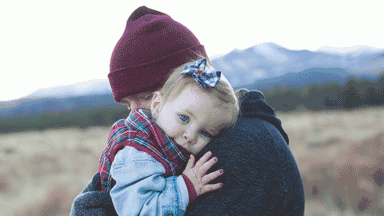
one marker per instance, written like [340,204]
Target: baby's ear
[156,103]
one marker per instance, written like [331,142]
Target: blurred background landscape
[290,80]
[331,105]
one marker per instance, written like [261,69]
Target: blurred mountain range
[263,66]
[268,60]
[92,87]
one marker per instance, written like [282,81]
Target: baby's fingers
[203,159]
[191,162]
[206,166]
[211,176]
[211,187]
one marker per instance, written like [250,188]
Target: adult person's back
[261,176]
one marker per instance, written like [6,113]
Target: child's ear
[156,103]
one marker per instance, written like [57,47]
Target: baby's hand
[196,174]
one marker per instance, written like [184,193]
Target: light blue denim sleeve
[141,188]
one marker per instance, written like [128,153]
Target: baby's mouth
[183,146]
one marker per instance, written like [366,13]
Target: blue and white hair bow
[204,78]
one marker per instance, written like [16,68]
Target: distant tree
[97,119]
[331,103]
[370,97]
[330,92]
[314,99]
[380,81]
[284,99]
[351,98]
[118,114]
[380,89]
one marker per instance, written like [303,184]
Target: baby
[144,166]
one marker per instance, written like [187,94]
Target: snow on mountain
[271,52]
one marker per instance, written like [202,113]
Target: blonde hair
[177,82]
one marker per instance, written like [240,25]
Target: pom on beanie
[151,46]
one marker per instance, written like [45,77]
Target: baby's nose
[190,138]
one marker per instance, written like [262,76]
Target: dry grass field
[340,155]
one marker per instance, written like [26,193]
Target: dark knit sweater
[260,177]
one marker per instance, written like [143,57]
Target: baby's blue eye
[184,118]
[205,133]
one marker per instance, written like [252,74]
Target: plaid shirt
[140,132]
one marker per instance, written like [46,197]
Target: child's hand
[196,174]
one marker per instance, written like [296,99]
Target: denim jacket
[141,188]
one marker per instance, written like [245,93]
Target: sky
[52,43]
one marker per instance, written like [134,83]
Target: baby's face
[192,120]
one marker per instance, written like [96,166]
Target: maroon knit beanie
[151,46]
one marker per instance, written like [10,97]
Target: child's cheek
[174,127]
[171,126]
